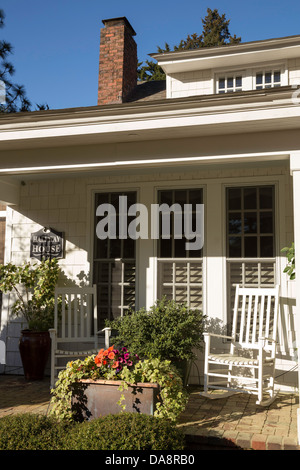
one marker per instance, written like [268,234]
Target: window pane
[250,247]
[277,77]
[266,247]
[250,222]
[266,222]
[235,247]
[180,251]
[129,248]
[250,198]
[259,79]
[195,196]
[268,77]
[230,82]
[235,223]
[221,83]
[165,248]
[115,249]
[180,198]
[238,82]
[266,197]
[234,199]
[165,197]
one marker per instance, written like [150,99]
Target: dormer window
[268,79]
[229,83]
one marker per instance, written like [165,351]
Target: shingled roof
[148,91]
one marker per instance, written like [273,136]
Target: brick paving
[231,423]
[236,422]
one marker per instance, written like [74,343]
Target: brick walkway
[236,422]
[230,423]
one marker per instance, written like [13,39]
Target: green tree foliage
[13,96]
[215,32]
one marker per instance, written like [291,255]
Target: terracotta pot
[34,349]
[95,398]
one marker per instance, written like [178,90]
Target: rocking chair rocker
[252,346]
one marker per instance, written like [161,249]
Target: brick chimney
[118,61]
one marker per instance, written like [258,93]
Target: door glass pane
[266,197]
[235,247]
[114,264]
[266,222]
[235,223]
[250,198]
[180,268]
[267,247]
[250,247]
[250,222]
[234,199]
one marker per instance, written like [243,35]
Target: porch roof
[248,111]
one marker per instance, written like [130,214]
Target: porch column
[215,304]
[295,171]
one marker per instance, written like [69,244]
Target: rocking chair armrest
[52,332]
[266,338]
[217,336]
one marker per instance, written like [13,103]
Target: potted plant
[33,286]
[114,381]
[169,330]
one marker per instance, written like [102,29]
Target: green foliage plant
[30,431]
[172,395]
[169,331]
[34,287]
[290,254]
[126,431]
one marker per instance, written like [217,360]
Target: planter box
[95,398]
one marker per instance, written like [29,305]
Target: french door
[250,238]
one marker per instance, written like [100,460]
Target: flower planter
[34,349]
[95,398]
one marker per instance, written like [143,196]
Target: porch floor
[231,423]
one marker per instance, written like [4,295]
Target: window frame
[177,260]
[229,74]
[271,67]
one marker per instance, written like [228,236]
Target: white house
[222,131]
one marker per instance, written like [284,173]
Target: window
[179,270]
[268,79]
[114,265]
[229,83]
[250,237]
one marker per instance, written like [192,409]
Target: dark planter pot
[95,398]
[34,349]
[184,369]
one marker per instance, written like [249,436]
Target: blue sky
[56,43]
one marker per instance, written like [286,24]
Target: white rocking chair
[75,326]
[252,345]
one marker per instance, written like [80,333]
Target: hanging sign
[46,244]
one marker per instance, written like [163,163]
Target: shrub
[125,431]
[29,431]
[168,331]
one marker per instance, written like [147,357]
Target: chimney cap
[121,19]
